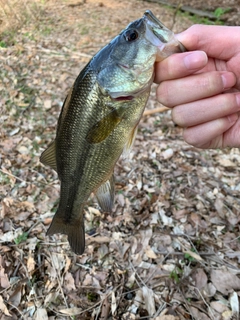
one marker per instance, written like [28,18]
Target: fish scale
[99,119]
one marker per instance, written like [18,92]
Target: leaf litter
[171,248]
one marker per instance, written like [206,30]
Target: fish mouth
[150,17]
[160,36]
[123,98]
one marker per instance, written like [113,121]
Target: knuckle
[189,138]
[163,94]
[178,116]
[211,83]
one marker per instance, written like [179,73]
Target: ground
[171,249]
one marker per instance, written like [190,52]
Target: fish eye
[131,35]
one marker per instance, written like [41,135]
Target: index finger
[180,65]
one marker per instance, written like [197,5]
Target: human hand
[203,86]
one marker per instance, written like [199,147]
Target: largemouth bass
[99,118]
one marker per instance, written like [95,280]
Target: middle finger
[195,87]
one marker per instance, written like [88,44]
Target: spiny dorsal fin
[48,157]
[105,195]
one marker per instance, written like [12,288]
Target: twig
[58,280]
[208,306]
[175,14]
[153,111]
[13,176]
[204,254]
[57,53]
[14,307]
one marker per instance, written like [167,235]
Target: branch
[153,111]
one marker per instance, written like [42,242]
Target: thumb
[217,41]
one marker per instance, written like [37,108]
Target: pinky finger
[210,134]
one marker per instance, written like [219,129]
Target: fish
[99,121]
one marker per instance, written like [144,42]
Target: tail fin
[74,231]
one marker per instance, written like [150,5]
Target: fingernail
[228,80]
[233,118]
[195,60]
[238,99]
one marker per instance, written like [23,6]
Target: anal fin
[105,195]
[48,157]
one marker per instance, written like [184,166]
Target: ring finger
[194,113]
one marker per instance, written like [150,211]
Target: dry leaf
[227,315]
[16,296]
[150,253]
[226,162]
[219,306]
[41,314]
[148,296]
[105,309]
[47,104]
[3,307]
[200,278]
[198,314]
[71,311]
[113,303]
[167,154]
[193,255]
[30,264]
[209,290]
[167,317]
[234,303]
[69,283]
[4,281]
[99,239]
[225,281]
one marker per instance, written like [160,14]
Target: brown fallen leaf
[225,281]
[193,255]
[3,307]
[69,283]
[71,311]
[4,281]
[30,264]
[148,296]
[167,317]
[105,309]
[16,296]
[150,253]
[200,278]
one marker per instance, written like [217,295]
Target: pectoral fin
[105,195]
[48,157]
[103,128]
